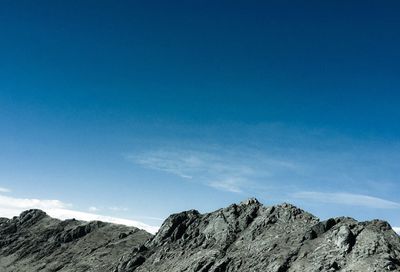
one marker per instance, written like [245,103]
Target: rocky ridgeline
[243,237]
[36,242]
[251,237]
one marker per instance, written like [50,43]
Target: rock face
[35,242]
[242,237]
[252,237]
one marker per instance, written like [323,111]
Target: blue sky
[137,109]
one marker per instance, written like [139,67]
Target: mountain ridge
[241,237]
[252,237]
[33,241]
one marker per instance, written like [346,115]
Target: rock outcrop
[36,242]
[252,237]
[242,237]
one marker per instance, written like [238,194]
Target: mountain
[252,237]
[242,237]
[34,241]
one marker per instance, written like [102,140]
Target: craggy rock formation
[35,242]
[251,237]
[243,237]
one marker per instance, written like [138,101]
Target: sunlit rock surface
[36,242]
[242,237]
[252,237]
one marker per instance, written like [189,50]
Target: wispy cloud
[110,208]
[12,206]
[397,229]
[233,185]
[67,214]
[8,203]
[344,198]
[4,190]
[183,164]
[273,155]
[118,209]
[233,171]
[93,209]
[274,161]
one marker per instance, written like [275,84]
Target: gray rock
[242,237]
[252,237]
[35,242]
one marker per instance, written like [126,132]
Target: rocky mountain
[34,241]
[242,237]
[252,237]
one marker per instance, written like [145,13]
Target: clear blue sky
[142,108]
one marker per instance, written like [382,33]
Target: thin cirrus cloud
[275,159]
[93,209]
[344,198]
[278,164]
[111,208]
[195,166]
[184,164]
[118,209]
[233,185]
[235,172]
[4,190]
[12,206]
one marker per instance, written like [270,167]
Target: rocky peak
[241,237]
[175,226]
[31,216]
[250,201]
[33,241]
[251,237]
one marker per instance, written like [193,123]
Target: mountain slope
[36,242]
[242,237]
[252,237]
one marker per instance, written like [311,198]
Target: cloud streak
[233,185]
[228,171]
[4,190]
[93,209]
[276,163]
[276,156]
[344,198]
[12,206]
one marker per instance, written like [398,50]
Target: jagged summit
[241,237]
[33,241]
[253,237]
[250,201]
[32,213]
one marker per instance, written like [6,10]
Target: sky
[128,111]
